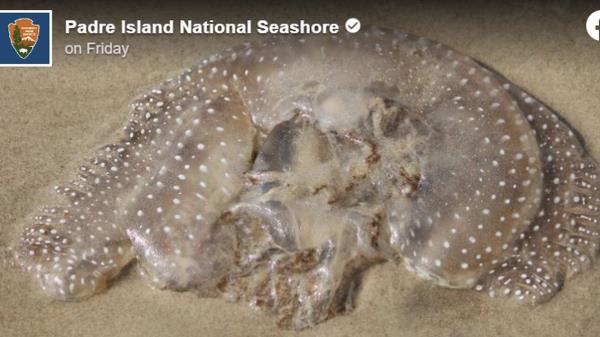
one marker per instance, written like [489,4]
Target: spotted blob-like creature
[277,172]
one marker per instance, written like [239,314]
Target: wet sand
[51,118]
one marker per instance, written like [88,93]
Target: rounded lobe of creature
[176,235]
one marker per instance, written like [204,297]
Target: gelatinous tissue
[277,173]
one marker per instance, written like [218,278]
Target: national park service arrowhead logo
[24,31]
[24,35]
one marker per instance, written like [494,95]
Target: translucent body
[275,173]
